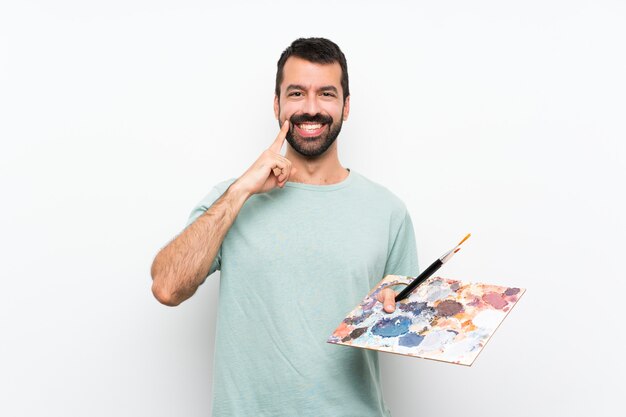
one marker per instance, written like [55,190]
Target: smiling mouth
[310,129]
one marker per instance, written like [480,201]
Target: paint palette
[442,319]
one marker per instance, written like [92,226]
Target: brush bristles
[465,238]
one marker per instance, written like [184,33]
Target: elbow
[167,289]
[164,296]
[159,290]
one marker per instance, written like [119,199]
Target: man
[299,241]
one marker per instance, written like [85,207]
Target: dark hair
[319,51]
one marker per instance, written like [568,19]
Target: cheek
[332,111]
[285,112]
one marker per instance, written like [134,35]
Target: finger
[278,163]
[286,172]
[291,170]
[280,139]
[279,167]
[389,300]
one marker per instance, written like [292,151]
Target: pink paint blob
[495,300]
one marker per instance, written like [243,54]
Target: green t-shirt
[294,263]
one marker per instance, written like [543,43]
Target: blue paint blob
[368,303]
[424,312]
[392,327]
[410,339]
[419,308]
[414,307]
[358,319]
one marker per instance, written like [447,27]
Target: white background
[504,119]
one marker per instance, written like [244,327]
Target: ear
[346,108]
[276,107]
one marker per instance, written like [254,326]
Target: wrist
[239,191]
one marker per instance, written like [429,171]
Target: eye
[327,94]
[294,94]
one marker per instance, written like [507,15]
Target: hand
[388,297]
[271,169]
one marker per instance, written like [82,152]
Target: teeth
[309,126]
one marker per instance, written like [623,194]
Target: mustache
[317,118]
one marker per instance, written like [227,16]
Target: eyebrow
[301,87]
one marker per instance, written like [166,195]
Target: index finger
[280,139]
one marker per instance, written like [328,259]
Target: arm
[181,266]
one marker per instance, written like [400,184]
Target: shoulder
[223,185]
[216,191]
[209,198]
[380,195]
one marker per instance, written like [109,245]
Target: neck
[320,170]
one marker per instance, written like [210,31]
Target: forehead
[310,74]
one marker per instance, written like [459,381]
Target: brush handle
[420,278]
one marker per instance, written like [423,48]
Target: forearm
[181,266]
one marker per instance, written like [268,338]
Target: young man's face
[311,98]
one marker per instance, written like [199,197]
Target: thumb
[388,298]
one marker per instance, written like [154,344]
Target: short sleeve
[402,257]
[200,208]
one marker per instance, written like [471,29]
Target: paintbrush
[430,270]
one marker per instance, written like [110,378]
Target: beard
[313,146]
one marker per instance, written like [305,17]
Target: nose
[311,105]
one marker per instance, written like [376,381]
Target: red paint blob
[342,331]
